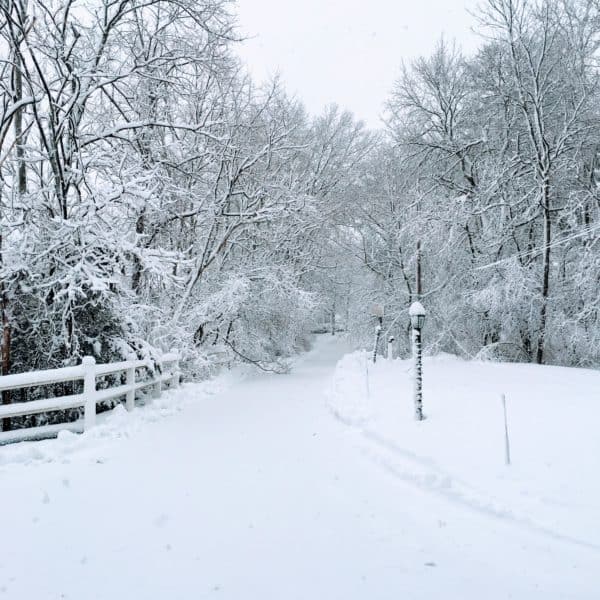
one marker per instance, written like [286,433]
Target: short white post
[89,392]
[506,439]
[390,349]
[130,381]
[367,377]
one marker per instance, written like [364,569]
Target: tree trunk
[5,346]
[333,319]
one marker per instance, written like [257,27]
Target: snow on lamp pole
[377,311]
[417,319]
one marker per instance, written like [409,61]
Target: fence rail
[164,371]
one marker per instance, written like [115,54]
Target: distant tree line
[491,161]
[152,196]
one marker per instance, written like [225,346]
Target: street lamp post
[377,311]
[417,319]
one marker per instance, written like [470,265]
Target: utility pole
[417,319]
[419,277]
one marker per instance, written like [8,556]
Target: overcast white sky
[346,51]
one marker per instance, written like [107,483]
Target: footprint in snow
[161,520]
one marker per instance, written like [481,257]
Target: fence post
[158,372]
[390,349]
[89,392]
[130,381]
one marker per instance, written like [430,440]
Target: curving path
[255,492]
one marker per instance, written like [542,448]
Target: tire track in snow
[442,484]
[419,472]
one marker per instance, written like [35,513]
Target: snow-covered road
[255,493]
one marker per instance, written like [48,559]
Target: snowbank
[115,424]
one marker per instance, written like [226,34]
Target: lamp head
[417,315]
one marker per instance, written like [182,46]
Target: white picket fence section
[163,372]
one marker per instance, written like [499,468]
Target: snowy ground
[315,486]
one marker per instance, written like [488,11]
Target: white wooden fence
[165,372]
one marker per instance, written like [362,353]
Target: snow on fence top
[166,373]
